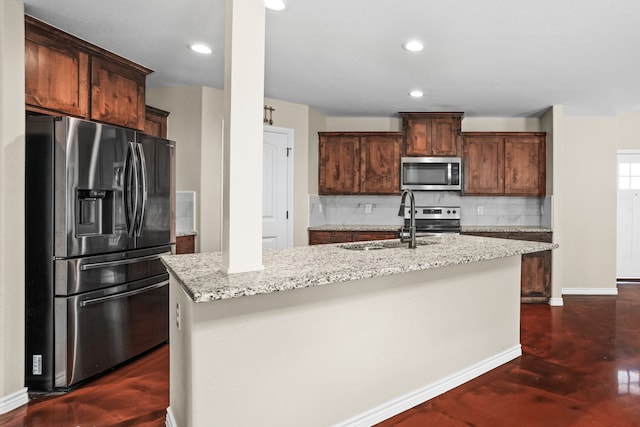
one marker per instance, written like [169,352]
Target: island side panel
[322,355]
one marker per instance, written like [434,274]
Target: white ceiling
[499,58]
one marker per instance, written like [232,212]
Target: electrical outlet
[480,210]
[368,208]
[178,315]
[320,208]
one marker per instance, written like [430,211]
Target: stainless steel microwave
[431,173]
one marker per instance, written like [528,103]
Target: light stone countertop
[186,233]
[305,266]
[465,228]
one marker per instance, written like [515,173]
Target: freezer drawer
[98,330]
[78,275]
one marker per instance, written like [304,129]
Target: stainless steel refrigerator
[100,211]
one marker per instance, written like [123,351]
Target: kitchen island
[337,335]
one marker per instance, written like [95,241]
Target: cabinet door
[117,94]
[56,75]
[380,164]
[535,280]
[483,161]
[339,164]
[155,122]
[525,165]
[432,134]
[185,244]
[445,136]
[418,142]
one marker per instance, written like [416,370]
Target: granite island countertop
[202,277]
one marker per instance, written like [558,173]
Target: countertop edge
[201,277]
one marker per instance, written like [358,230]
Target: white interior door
[628,215]
[277,188]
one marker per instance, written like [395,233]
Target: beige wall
[588,217]
[210,224]
[355,124]
[11,205]
[195,123]
[629,131]
[317,123]
[184,127]
[501,124]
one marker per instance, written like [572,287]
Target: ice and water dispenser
[94,212]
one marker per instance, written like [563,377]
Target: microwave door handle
[449,172]
[143,189]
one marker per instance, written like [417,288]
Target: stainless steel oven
[435,219]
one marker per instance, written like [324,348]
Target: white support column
[243,129]
[12,390]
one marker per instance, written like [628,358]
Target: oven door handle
[120,262]
[123,294]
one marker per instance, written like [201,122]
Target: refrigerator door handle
[119,262]
[123,294]
[143,179]
[131,189]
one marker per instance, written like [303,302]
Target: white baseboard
[409,400]
[170,421]
[589,291]
[13,401]
[556,302]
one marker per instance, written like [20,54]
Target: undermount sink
[378,245]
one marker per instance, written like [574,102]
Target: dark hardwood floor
[580,367]
[136,394]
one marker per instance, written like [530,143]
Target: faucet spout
[408,234]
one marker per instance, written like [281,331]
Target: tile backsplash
[383,210]
[185,211]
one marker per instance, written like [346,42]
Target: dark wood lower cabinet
[322,237]
[185,244]
[535,279]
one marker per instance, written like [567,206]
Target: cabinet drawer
[324,237]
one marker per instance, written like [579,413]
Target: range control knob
[449,212]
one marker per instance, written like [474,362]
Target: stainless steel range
[434,219]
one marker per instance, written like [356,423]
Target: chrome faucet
[408,234]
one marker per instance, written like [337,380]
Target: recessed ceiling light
[275,4]
[413,46]
[416,93]
[200,48]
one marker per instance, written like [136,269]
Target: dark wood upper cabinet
[117,94]
[432,134]
[483,164]
[56,73]
[380,163]
[525,162]
[339,168]
[359,162]
[504,163]
[67,75]
[155,122]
